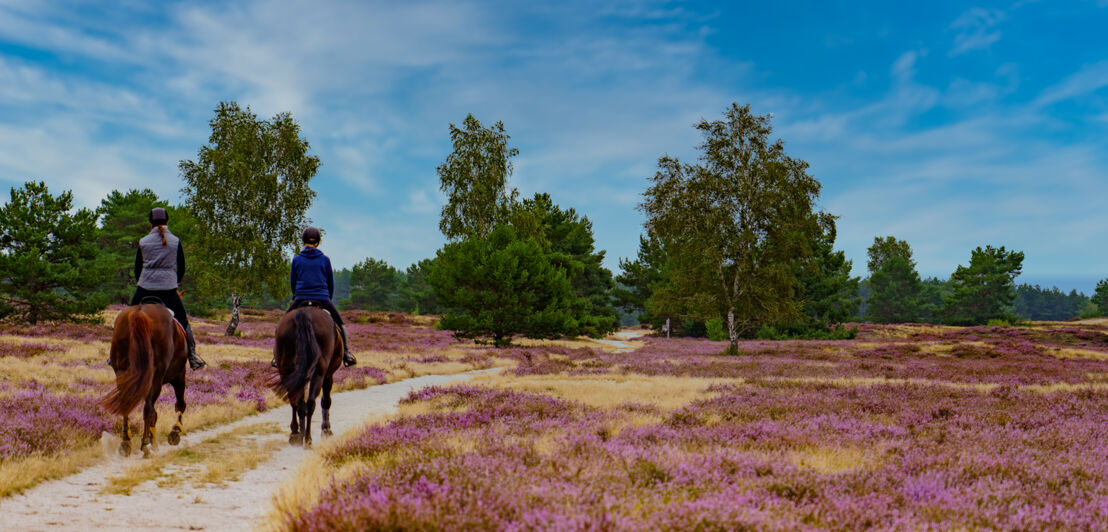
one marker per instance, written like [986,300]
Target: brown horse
[148,350]
[308,350]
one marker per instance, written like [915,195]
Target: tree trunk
[733,349]
[236,304]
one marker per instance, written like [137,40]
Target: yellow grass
[832,460]
[1071,352]
[222,457]
[20,474]
[608,391]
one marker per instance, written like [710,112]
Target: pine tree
[50,265]
[985,289]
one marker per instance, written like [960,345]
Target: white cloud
[976,30]
[1089,79]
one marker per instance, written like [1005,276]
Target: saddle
[301,303]
[153,300]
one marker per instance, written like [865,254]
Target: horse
[147,350]
[308,350]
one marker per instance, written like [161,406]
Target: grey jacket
[159,266]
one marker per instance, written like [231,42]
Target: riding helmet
[158,216]
[311,236]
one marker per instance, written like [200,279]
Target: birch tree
[735,224]
[249,193]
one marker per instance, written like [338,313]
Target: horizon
[945,126]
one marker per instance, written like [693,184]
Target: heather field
[904,428]
[52,376]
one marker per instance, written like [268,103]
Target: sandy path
[75,502]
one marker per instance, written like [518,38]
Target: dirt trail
[76,502]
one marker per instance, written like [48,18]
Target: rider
[313,282]
[159,268]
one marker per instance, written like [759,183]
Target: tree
[50,264]
[500,287]
[374,285]
[1100,296]
[416,294]
[932,298]
[568,238]
[985,289]
[123,221]
[736,224]
[474,178]
[894,282]
[638,280]
[249,192]
[829,292]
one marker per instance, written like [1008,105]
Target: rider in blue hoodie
[313,282]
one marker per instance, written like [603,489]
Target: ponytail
[161,232]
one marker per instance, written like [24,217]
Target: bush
[715,330]
[840,332]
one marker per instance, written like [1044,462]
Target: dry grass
[832,460]
[18,475]
[1071,352]
[607,391]
[214,460]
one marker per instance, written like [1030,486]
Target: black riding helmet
[158,216]
[311,236]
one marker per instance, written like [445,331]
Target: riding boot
[190,341]
[347,359]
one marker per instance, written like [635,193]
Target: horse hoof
[307,444]
[146,451]
[327,433]
[174,437]
[295,439]
[125,448]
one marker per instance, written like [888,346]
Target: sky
[950,125]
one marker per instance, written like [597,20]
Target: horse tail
[132,387]
[307,356]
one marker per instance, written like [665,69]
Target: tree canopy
[51,267]
[475,180]
[735,224]
[249,192]
[985,289]
[894,283]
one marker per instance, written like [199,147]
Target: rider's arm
[330,281]
[138,263]
[180,263]
[292,279]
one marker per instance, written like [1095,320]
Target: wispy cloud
[977,30]
[1089,79]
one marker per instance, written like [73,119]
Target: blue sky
[947,124]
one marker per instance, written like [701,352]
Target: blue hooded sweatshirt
[311,276]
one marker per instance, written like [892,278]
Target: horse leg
[294,436]
[125,445]
[326,404]
[313,392]
[150,418]
[179,391]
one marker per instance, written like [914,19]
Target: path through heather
[75,502]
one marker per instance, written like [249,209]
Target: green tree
[123,221]
[474,178]
[249,193]
[374,285]
[736,224]
[894,282]
[1100,296]
[639,278]
[932,298]
[500,287]
[985,289]
[50,264]
[416,294]
[568,238]
[829,292]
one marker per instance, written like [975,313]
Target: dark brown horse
[308,350]
[148,350]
